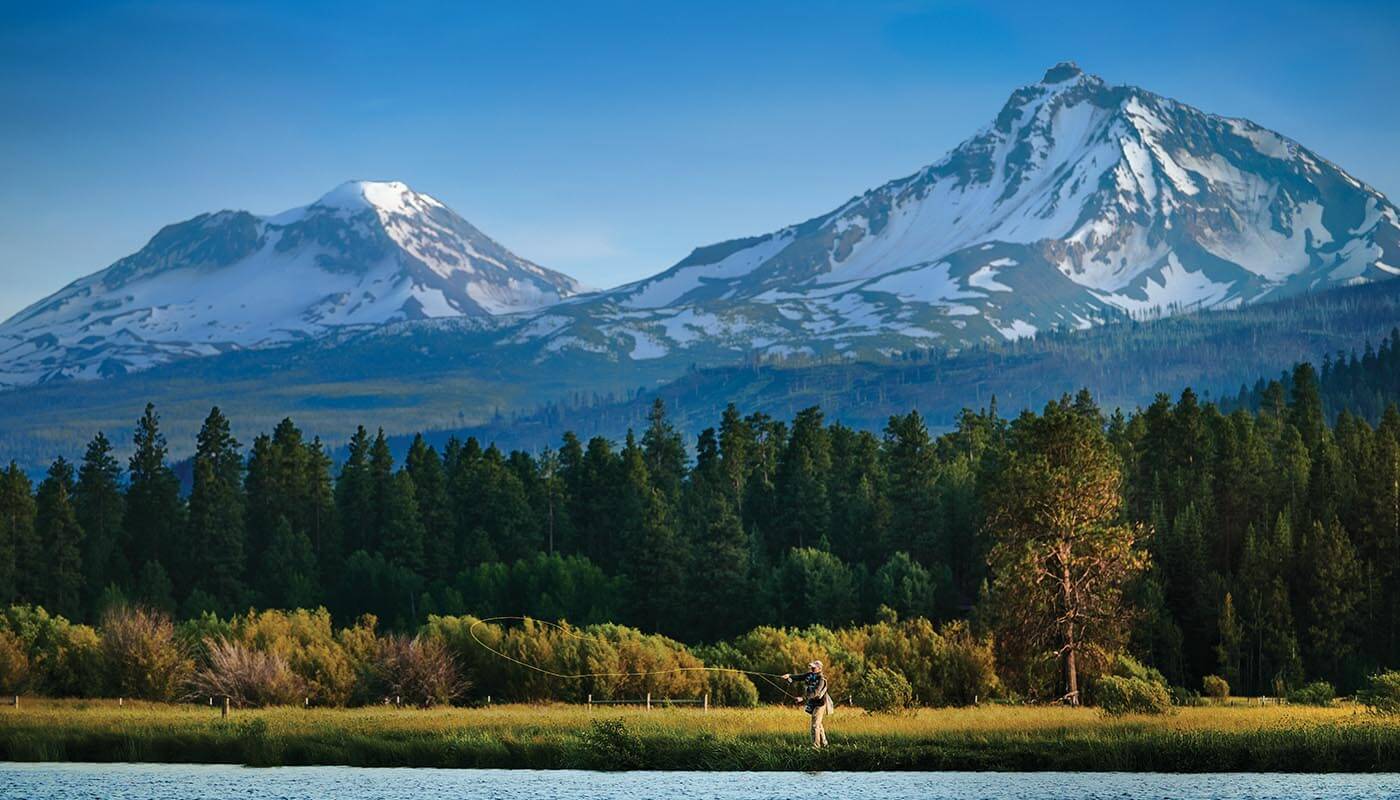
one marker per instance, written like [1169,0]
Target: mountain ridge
[363,254]
[1080,203]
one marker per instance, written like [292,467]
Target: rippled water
[199,782]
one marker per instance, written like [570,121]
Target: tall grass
[1215,738]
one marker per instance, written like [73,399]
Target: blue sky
[602,139]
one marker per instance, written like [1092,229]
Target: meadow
[1239,737]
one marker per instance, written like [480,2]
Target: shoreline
[1223,739]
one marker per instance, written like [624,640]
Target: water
[202,782]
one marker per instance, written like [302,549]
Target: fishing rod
[766,676]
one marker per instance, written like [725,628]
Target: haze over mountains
[1079,204]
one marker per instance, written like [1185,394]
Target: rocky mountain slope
[1082,202]
[364,254]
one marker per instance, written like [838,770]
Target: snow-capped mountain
[1080,201]
[365,253]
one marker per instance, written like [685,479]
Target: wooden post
[590,701]
[211,701]
[488,700]
[648,701]
[398,701]
[306,702]
[707,702]
[120,701]
[224,714]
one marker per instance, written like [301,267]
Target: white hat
[815,665]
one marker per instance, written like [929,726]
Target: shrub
[1317,693]
[143,658]
[14,664]
[1119,695]
[247,677]
[613,745]
[1382,693]
[64,659]
[967,667]
[1182,696]
[306,642]
[881,690]
[1215,687]
[419,670]
[732,689]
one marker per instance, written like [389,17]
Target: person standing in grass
[815,699]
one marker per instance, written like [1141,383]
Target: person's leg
[818,733]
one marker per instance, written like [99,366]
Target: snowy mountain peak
[385,197]
[1061,72]
[365,253]
[1081,201]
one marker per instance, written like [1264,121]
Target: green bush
[1182,696]
[1382,693]
[1216,687]
[1317,693]
[881,690]
[612,745]
[14,664]
[732,689]
[967,667]
[143,657]
[1119,695]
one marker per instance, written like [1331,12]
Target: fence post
[306,702]
[590,701]
[224,714]
[488,700]
[707,702]
[648,701]
[120,701]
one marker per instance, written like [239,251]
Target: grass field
[1207,739]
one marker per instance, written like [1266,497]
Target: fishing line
[766,676]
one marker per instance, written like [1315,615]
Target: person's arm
[791,678]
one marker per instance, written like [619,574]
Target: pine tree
[664,451]
[1332,579]
[1062,556]
[913,497]
[424,468]
[355,495]
[381,477]
[100,507]
[804,509]
[20,553]
[62,539]
[653,556]
[154,513]
[216,515]
[287,575]
[1229,651]
[403,526]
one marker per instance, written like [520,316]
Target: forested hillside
[1271,533]
[1124,363]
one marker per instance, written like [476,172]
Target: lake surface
[201,782]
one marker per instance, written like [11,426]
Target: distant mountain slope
[426,378]
[1079,203]
[1124,364]
[366,253]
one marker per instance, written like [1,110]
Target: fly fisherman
[815,699]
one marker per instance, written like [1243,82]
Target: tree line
[1259,544]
